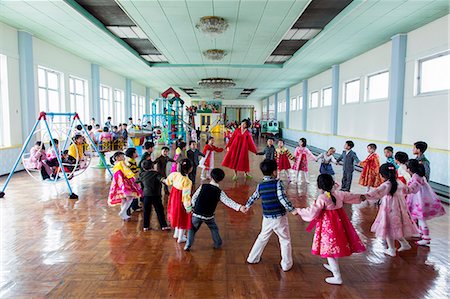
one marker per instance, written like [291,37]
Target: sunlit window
[351,91]
[326,97]
[378,86]
[314,100]
[105,102]
[78,97]
[434,73]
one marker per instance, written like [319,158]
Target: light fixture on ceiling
[212,25]
[214,54]
[216,83]
[302,33]
[217,94]
[155,58]
[278,58]
[127,32]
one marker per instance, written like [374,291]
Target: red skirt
[176,213]
[335,235]
[283,162]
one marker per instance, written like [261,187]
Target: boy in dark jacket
[150,180]
[192,154]
[269,150]
[204,203]
[349,158]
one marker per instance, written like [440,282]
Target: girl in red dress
[207,162]
[282,156]
[370,175]
[179,206]
[241,142]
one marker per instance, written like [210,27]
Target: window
[281,106]
[314,100]
[326,97]
[105,98]
[293,104]
[134,107]
[141,107]
[434,73]
[5,125]
[50,90]
[78,99]
[119,115]
[271,109]
[378,86]
[299,103]
[351,91]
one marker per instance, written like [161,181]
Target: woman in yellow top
[179,206]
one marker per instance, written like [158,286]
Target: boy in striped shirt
[274,204]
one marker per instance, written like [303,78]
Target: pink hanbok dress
[393,219]
[123,185]
[301,155]
[425,204]
[334,235]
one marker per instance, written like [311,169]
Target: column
[128,111]
[95,94]
[275,102]
[288,106]
[268,107]
[334,98]
[29,113]
[397,88]
[147,100]
[305,105]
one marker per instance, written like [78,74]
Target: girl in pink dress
[282,156]
[123,186]
[180,154]
[425,204]
[302,153]
[393,221]
[335,236]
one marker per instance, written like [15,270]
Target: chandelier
[214,54]
[217,94]
[216,83]
[212,26]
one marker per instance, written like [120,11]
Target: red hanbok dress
[239,146]
[334,235]
[370,175]
[282,156]
[179,201]
[207,161]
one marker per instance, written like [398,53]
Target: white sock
[334,265]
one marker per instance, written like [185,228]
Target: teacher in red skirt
[240,143]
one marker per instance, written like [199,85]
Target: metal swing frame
[43,117]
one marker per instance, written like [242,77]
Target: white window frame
[108,102]
[293,104]
[141,106]
[311,99]
[84,115]
[5,130]
[119,102]
[134,107]
[344,98]
[367,89]
[299,103]
[419,74]
[323,96]
[47,89]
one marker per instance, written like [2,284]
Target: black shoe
[187,248]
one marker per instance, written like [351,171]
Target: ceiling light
[216,83]
[214,54]
[212,25]
[303,33]
[127,32]
[155,58]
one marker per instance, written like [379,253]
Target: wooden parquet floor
[60,248]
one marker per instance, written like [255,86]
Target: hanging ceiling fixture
[218,94]
[214,54]
[212,25]
[216,83]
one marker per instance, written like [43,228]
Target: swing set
[68,170]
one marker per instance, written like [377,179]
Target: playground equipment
[74,120]
[270,128]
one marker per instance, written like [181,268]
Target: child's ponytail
[415,167]
[388,172]
[326,183]
[113,159]
[185,166]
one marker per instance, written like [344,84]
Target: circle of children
[400,186]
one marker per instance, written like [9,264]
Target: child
[401,158]
[76,150]
[179,155]
[123,186]
[302,153]
[204,203]
[335,236]
[147,155]
[393,220]
[207,162]
[161,166]
[236,158]
[124,132]
[274,205]
[419,150]
[269,150]
[325,160]
[106,135]
[192,154]
[115,133]
[38,160]
[179,207]
[131,155]
[151,187]
[425,204]
[370,176]
[282,157]
[349,158]
[389,153]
